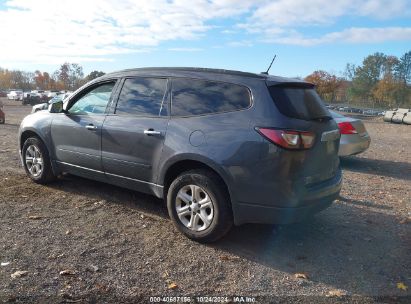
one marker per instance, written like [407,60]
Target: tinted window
[94,101]
[197,97]
[142,96]
[298,101]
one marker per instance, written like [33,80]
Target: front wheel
[199,205]
[36,161]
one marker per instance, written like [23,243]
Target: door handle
[151,132]
[91,127]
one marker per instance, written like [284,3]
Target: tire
[39,169]
[209,220]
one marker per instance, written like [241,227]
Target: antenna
[266,73]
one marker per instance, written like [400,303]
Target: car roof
[206,73]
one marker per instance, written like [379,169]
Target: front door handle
[91,127]
[151,132]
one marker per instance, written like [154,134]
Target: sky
[110,35]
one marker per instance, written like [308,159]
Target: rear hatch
[305,111]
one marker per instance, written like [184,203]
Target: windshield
[299,101]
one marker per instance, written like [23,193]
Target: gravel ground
[82,241]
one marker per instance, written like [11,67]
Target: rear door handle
[151,132]
[91,127]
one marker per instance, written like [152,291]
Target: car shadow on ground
[95,190]
[364,203]
[350,246]
[400,170]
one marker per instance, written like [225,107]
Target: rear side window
[299,101]
[142,97]
[199,97]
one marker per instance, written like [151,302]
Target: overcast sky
[243,35]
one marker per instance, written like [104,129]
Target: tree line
[381,80]
[69,76]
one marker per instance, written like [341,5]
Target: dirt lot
[118,245]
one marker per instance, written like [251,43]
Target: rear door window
[199,97]
[299,101]
[143,96]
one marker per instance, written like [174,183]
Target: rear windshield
[299,101]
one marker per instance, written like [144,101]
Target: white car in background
[39,93]
[15,95]
[51,94]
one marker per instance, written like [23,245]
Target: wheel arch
[185,163]
[31,133]
[27,133]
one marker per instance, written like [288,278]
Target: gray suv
[221,147]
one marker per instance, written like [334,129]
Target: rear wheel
[199,205]
[37,161]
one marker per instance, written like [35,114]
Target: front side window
[142,97]
[95,101]
[199,97]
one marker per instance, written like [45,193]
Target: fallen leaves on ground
[102,287]
[301,276]
[35,217]
[172,285]
[402,286]
[336,293]
[19,274]
[67,272]
[164,275]
[228,258]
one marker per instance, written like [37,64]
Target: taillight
[347,128]
[288,139]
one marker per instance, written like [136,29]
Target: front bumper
[318,198]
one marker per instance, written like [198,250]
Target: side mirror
[56,107]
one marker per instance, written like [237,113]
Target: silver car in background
[354,137]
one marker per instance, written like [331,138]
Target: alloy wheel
[34,161]
[194,208]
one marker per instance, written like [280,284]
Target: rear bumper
[318,198]
[353,144]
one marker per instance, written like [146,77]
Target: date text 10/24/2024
[202,299]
